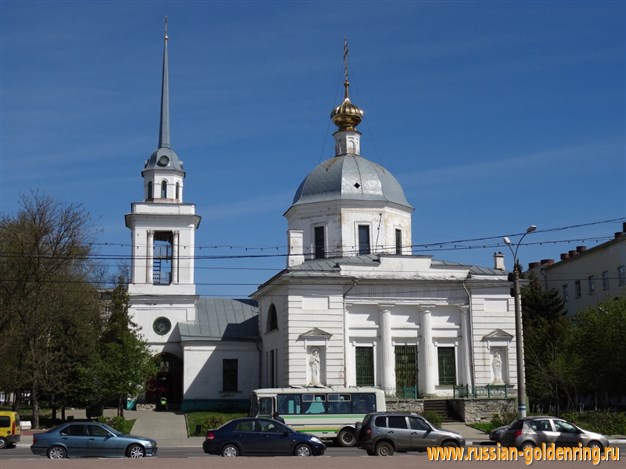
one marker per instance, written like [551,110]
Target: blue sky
[493,115]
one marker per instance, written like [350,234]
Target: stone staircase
[441,407]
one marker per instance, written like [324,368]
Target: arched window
[272,318]
[150,190]
[177,191]
[164,189]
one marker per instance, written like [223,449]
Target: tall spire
[164,128]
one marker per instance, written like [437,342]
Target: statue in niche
[314,367]
[496,364]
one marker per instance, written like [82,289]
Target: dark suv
[382,433]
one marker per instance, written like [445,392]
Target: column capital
[426,308]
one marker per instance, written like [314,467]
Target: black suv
[382,433]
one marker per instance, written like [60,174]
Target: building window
[164,189]
[592,284]
[565,292]
[364,366]
[621,276]
[229,374]
[177,191]
[272,318]
[398,241]
[364,239]
[150,190]
[447,366]
[162,258]
[577,288]
[605,280]
[406,371]
[320,242]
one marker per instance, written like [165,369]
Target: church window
[592,284]
[565,292]
[447,366]
[406,371]
[364,239]
[364,366]
[230,371]
[577,288]
[162,258]
[320,243]
[621,276]
[164,189]
[605,280]
[398,241]
[272,318]
[150,196]
[177,191]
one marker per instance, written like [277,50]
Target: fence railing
[488,391]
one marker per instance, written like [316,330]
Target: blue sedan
[260,437]
[90,439]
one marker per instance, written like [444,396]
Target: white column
[428,353]
[387,352]
[467,346]
[175,243]
[149,256]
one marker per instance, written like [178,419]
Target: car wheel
[383,449]
[135,451]
[57,452]
[230,451]
[3,443]
[595,444]
[527,444]
[346,438]
[303,450]
[450,444]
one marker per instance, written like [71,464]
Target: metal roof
[350,177]
[219,319]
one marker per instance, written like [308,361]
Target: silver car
[533,431]
[383,433]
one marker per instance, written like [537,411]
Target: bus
[328,413]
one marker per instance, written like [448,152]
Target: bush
[505,418]
[607,423]
[433,417]
[199,422]
[119,423]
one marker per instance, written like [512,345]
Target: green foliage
[499,420]
[119,423]
[433,417]
[199,422]
[607,423]
[126,359]
[48,301]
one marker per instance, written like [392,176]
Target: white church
[353,306]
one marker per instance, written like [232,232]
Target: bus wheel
[346,438]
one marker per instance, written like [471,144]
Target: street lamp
[519,337]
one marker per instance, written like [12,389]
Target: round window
[162,325]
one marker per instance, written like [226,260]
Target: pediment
[315,333]
[498,334]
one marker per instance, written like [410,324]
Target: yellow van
[9,428]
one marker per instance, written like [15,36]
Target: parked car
[260,436]
[90,439]
[383,433]
[9,429]
[532,431]
[497,433]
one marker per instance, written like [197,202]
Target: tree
[550,369]
[126,359]
[601,349]
[47,296]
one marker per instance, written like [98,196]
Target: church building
[353,306]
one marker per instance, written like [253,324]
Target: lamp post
[519,335]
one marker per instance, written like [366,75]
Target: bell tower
[162,286]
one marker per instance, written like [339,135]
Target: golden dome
[347,116]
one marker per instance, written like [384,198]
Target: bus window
[289,404]
[363,403]
[339,404]
[314,403]
[265,407]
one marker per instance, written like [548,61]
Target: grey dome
[171,162]
[350,177]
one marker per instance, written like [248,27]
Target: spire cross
[164,127]
[346,82]
[166,28]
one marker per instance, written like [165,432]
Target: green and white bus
[328,413]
